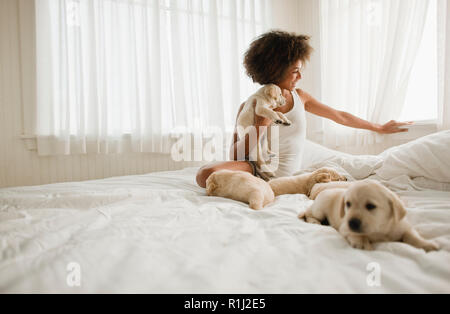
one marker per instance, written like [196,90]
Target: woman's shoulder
[301,92]
[304,96]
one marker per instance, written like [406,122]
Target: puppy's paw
[317,176]
[367,245]
[302,216]
[358,242]
[322,178]
[278,121]
[429,246]
[312,220]
[307,217]
[256,206]
[334,175]
[286,121]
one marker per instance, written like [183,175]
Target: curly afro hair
[272,53]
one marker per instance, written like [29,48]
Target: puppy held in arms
[243,186]
[262,104]
[364,212]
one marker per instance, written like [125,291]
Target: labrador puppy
[262,104]
[304,183]
[240,186]
[243,186]
[364,212]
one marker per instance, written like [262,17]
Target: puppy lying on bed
[364,212]
[243,186]
[240,186]
[304,183]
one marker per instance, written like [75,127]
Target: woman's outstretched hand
[393,127]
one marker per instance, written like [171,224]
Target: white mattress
[160,233]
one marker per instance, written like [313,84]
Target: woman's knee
[205,171]
[203,174]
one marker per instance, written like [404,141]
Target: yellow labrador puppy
[240,186]
[262,104]
[304,183]
[364,212]
[243,186]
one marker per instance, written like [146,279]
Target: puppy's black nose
[355,224]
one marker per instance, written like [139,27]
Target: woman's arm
[315,107]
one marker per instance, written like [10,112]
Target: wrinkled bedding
[160,233]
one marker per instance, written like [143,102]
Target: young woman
[278,57]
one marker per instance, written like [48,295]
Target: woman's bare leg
[205,171]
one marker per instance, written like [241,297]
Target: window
[421,97]
[140,68]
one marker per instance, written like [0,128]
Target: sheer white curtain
[116,75]
[444,65]
[368,49]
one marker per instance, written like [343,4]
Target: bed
[160,233]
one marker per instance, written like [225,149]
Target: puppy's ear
[397,206]
[271,91]
[342,208]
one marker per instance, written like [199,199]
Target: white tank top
[291,140]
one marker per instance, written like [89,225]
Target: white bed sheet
[160,233]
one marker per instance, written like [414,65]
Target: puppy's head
[274,93]
[370,208]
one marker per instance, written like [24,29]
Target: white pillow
[314,153]
[358,166]
[428,157]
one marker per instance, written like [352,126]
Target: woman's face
[292,76]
